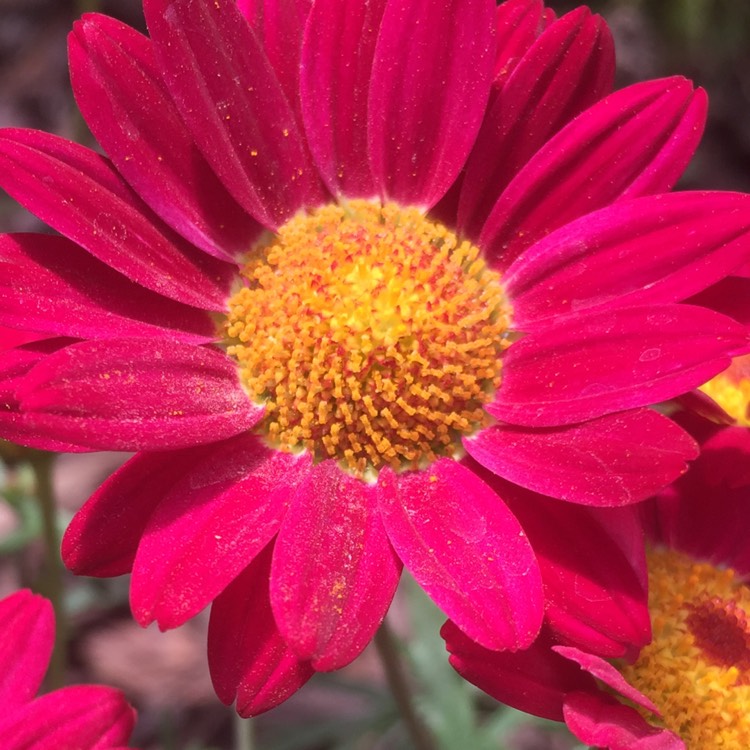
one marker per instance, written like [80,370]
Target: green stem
[51,580]
[244,737]
[388,649]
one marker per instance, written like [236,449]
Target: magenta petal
[90,717]
[613,360]
[133,394]
[233,104]
[209,526]
[279,26]
[634,142]
[118,89]
[569,68]
[468,552]
[608,674]
[664,249]
[15,424]
[425,107]
[334,572]
[613,460]
[50,284]
[534,680]
[103,536]
[335,81]
[600,721]
[593,564]
[28,627]
[519,23]
[248,658]
[79,193]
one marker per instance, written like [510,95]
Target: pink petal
[103,536]
[249,659]
[209,526]
[613,460]
[425,107]
[118,89]
[617,359]
[231,100]
[334,572]
[665,248]
[15,425]
[279,26]
[28,627]
[606,673]
[634,142]
[593,565]
[52,285]
[534,680]
[79,193]
[132,394]
[335,81]
[569,68]
[467,551]
[81,717]
[601,721]
[519,23]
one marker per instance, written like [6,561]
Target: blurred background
[165,675]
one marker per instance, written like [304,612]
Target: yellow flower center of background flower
[731,390]
[697,667]
[372,336]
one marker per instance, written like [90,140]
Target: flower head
[334,251]
[688,686]
[90,717]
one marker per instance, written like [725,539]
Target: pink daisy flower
[332,251]
[85,717]
[687,687]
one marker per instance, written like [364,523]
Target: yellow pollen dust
[372,335]
[697,667]
[731,390]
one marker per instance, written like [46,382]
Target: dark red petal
[569,68]
[634,142]
[618,359]
[535,680]
[730,296]
[103,536]
[50,284]
[334,571]
[28,627]
[603,722]
[119,91]
[79,193]
[133,394]
[593,565]
[467,551]
[613,460]
[209,526]
[425,107]
[249,659]
[335,82]
[664,247]
[84,717]
[231,100]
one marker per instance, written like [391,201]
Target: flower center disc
[731,390]
[372,336]
[697,667]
